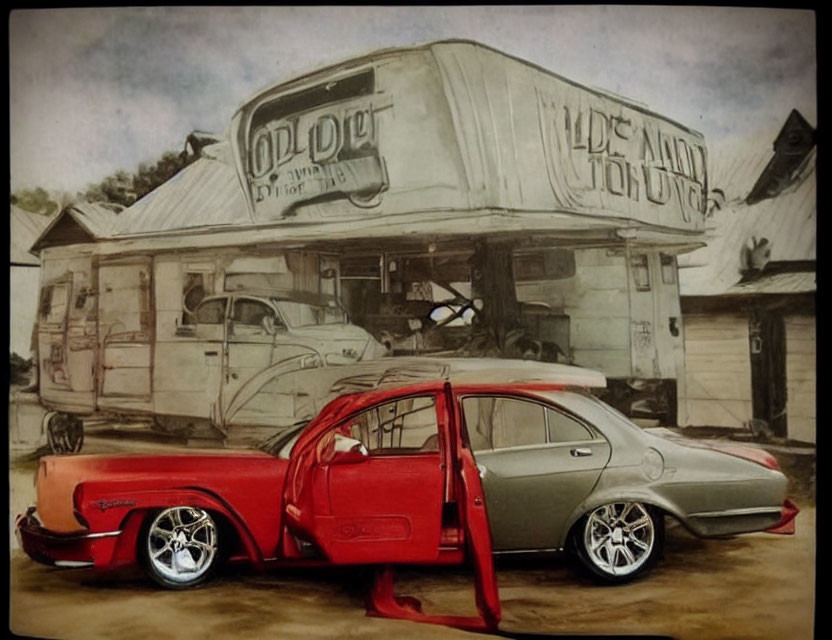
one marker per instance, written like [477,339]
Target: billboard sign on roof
[461,128]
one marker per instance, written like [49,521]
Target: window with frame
[497,423]
[53,299]
[212,311]
[668,268]
[251,312]
[565,428]
[403,426]
[641,272]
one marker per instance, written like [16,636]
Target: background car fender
[124,509]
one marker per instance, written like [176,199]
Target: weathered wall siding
[717,371]
[599,332]
[801,377]
[305,269]
[167,295]
[598,305]
[596,301]
[23,305]
[612,362]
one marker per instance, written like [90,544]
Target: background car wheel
[620,541]
[64,433]
[179,546]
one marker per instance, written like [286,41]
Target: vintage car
[415,461]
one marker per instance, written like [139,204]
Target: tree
[125,188]
[35,200]
[117,188]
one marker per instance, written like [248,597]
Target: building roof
[25,228]
[79,222]
[801,282]
[786,220]
[204,194]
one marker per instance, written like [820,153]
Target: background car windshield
[302,314]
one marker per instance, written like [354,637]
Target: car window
[497,423]
[211,311]
[404,426]
[564,428]
[251,312]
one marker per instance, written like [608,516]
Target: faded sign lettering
[333,151]
[589,148]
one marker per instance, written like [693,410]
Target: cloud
[93,90]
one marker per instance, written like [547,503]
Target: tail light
[753,454]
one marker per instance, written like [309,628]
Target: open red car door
[385,479]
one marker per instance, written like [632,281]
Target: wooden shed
[748,299]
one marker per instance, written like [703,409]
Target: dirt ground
[754,586]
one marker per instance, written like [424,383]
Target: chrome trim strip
[751,511]
[46,533]
[519,551]
[72,564]
[105,534]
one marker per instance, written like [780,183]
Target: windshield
[303,314]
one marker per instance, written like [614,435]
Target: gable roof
[78,223]
[24,230]
[794,142]
[788,221]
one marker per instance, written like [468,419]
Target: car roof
[404,371]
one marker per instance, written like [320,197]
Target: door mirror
[353,456]
[348,450]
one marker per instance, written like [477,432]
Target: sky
[96,90]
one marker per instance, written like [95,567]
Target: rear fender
[124,510]
[619,494]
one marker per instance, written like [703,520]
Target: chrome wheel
[181,546]
[619,538]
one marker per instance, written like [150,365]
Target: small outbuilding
[748,298]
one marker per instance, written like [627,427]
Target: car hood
[220,470]
[330,332]
[345,340]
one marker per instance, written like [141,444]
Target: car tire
[64,433]
[179,546]
[619,541]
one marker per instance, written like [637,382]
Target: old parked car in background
[411,460]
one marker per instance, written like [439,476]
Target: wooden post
[492,280]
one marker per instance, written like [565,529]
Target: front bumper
[63,549]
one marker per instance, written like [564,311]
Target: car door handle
[581,452]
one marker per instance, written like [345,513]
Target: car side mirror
[355,455]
